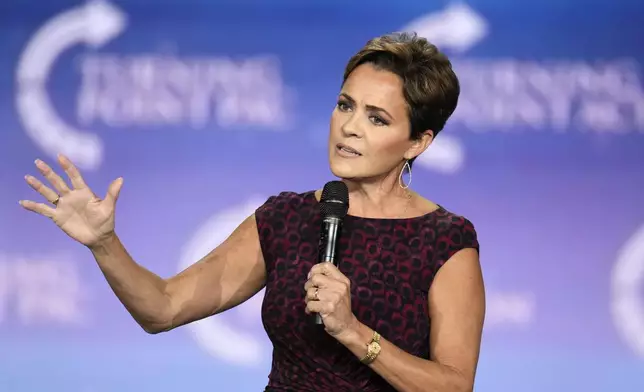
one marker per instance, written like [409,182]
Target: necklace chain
[409,196]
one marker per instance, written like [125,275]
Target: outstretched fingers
[41,188]
[72,172]
[54,179]
[38,208]
[113,191]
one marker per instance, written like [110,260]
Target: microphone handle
[329,239]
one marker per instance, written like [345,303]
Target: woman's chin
[344,171]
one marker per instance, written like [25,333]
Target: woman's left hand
[328,292]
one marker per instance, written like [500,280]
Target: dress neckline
[440,209]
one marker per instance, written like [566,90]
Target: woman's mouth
[347,151]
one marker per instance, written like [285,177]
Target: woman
[403,310]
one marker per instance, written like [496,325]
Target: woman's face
[370,130]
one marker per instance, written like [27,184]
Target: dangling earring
[400,177]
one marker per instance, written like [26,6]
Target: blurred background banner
[206,108]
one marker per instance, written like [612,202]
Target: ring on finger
[315,294]
[55,202]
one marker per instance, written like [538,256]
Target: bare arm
[229,275]
[457,308]
[226,277]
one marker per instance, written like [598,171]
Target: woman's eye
[378,121]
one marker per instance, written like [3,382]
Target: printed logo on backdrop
[137,90]
[627,292]
[455,30]
[42,290]
[237,335]
[510,95]
[93,24]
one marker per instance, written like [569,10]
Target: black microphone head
[335,199]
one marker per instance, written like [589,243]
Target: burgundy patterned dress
[391,264]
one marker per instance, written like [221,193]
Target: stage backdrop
[206,108]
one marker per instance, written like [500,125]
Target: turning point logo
[218,335]
[627,292]
[456,28]
[93,24]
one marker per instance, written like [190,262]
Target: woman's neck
[378,199]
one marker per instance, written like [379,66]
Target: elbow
[460,382]
[152,329]
[156,325]
[463,384]
[451,384]
[158,321]
[455,384]
[155,328]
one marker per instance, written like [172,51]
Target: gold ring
[55,202]
[315,295]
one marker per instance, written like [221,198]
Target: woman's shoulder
[285,201]
[438,214]
[451,219]
[453,230]
[292,197]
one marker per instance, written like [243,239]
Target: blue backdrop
[208,107]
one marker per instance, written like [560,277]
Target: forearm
[141,292]
[405,372]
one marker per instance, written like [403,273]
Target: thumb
[113,191]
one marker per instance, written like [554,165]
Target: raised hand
[76,210]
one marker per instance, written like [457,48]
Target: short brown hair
[430,86]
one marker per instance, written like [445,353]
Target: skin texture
[370,117]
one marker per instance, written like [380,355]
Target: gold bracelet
[373,349]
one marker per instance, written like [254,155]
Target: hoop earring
[402,171]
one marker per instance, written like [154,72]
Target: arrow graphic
[458,27]
[93,24]
[627,280]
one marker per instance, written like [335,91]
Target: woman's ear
[419,145]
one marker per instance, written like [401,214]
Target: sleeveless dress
[391,264]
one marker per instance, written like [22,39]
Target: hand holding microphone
[328,291]
[328,294]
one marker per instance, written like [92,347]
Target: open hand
[76,210]
[328,292]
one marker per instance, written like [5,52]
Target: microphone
[334,205]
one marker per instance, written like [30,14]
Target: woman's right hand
[77,211]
